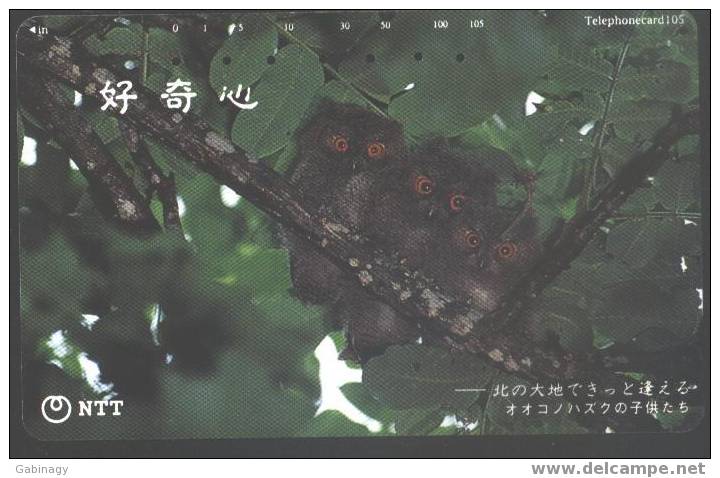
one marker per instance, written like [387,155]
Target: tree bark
[112,190]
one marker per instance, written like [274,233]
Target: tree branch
[580,230]
[160,183]
[111,189]
[383,274]
[600,127]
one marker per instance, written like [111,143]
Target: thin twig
[145,52]
[591,171]
[690,216]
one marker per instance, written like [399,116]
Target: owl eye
[339,143]
[424,186]
[457,202]
[506,250]
[376,150]
[472,239]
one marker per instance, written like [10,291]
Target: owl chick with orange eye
[413,201]
[481,260]
[336,151]
[517,248]
[341,140]
[461,254]
[381,142]
[454,252]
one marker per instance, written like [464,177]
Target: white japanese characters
[178,99]
[178,95]
[236,99]
[110,95]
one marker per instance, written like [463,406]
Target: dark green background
[219,300]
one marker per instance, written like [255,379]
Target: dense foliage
[200,333]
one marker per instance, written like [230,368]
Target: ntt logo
[57,408]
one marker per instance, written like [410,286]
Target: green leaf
[413,376]
[62,23]
[259,268]
[682,422]
[203,408]
[166,50]
[637,242]
[577,69]
[417,421]
[341,93]
[555,317]
[615,153]
[677,184]
[359,395]
[322,30]
[212,226]
[105,126]
[169,159]
[122,40]
[561,168]
[500,422]
[243,57]
[661,295]
[284,94]
[552,117]
[576,284]
[441,81]
[55,286]
[259,229]
[283,159]
[522,144]
[662,80]
[332,423]
[59,349]
[47,185]
[635,121]
[626,310]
